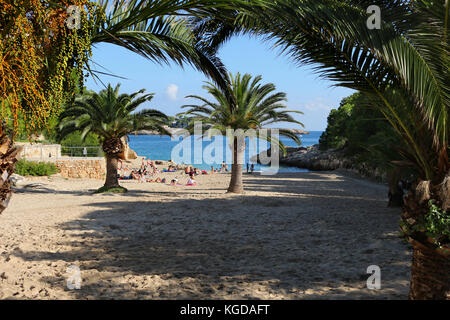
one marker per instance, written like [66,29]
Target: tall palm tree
[252,105]
[403,68]
[110,116]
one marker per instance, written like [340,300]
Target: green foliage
[247,104]
[437,222]
[177,122]
[160,32]
[107,115]
[75,139]
[362,130]
[30,168]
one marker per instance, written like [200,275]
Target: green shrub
[437,223]
[31,168]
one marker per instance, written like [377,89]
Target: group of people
[224,168]
[191,181]
[194,171]
[148,169]
[144,173]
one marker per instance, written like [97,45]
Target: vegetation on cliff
[361,132]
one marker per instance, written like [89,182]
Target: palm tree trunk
[236,184]
[112,180]
[430,269]
[430,274]
[8,158]
[395,194]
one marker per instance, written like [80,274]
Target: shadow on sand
[313,238]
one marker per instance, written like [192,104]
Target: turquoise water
[165,148]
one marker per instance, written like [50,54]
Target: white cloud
[318,104]
[172,91]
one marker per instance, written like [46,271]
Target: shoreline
[174,131]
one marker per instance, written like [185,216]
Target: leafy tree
[40,59]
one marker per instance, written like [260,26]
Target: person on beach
[252,168]
[135,175]
[191,181]
[247,167]
[174,182]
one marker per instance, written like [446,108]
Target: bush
[30,168]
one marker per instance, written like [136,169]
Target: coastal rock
[172,131]
[128,153]
[312,158]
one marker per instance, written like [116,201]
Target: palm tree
[403,68]
[251,106]
[160,31]
[110,116]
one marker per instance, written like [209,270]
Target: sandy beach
[291,236]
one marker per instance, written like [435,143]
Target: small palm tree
[250,106]
[109,115]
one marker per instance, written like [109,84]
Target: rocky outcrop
[313,158]
[172,131]
[128,153]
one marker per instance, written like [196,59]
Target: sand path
[291,236]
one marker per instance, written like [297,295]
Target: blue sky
[170,83]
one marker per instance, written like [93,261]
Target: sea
[209,153]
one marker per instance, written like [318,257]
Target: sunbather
[191,181]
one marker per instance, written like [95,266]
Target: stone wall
[92,168]
[41,152]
